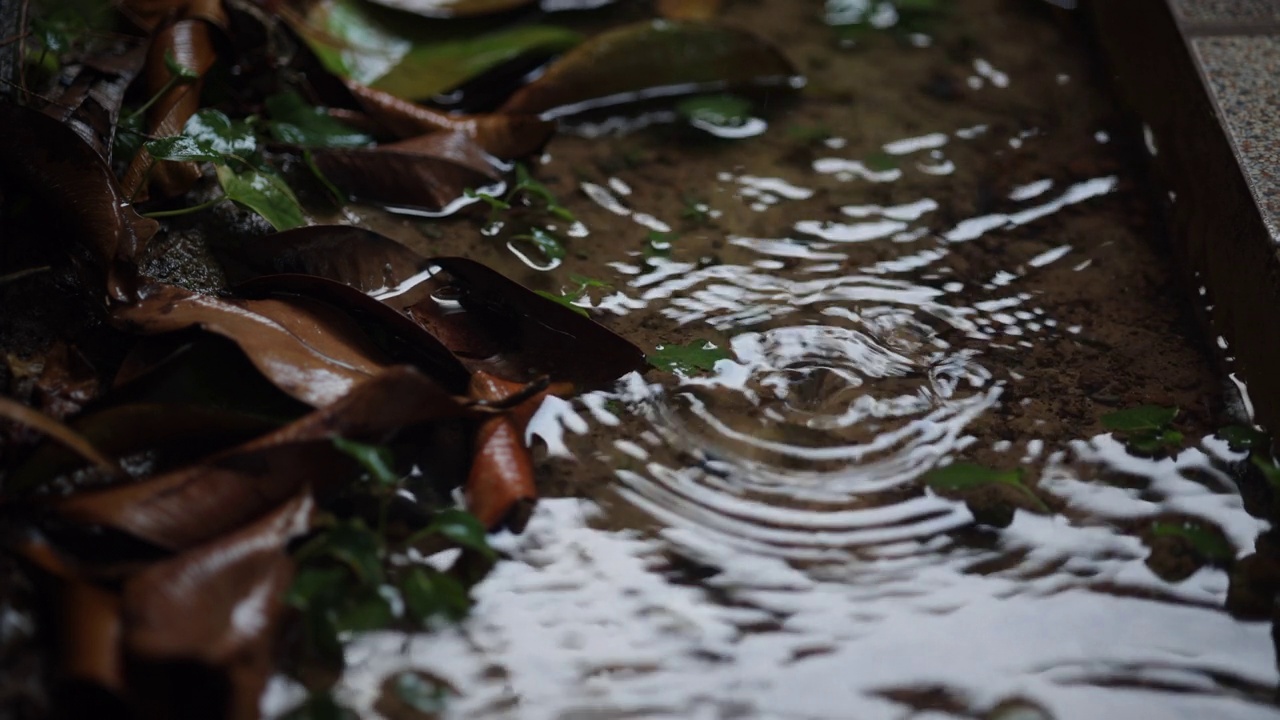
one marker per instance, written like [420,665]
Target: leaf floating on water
[651,59]
[693,357]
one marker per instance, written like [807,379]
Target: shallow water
[964,268]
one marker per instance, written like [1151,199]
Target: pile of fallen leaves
[211,486]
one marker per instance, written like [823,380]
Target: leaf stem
[20,274]
[185,210]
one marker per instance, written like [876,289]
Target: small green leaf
[463,529]
[231,138]
[1268,468]
[312,584]
[962,476]
[420,694]
[1241,438]
[375,459]
[696,356]
[547,243]
[1208,542]
[429,594]
[181,72]
[264,193]
[880,162]
[717,110]
[353,545]
[587,282]
[363,610]
[1143,417]
[183,148]
[297,123]
[320,706]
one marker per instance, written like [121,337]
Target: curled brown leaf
[64,435]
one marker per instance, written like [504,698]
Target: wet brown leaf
[89,101]
[216,606]
[70,180]
[360,258]
[72,440]
[502,135]
[651,59]
[191,506]
[429,173]
[499,326]
[190,44]
[688,9]
[307,348]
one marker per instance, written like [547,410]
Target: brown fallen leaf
[651,59]
[88,98]
[216,606]
[428,174]
[64,435]
[307,348]
[500,488]
[360,258]
[501,135]
[73,183]
[688,9]
[193,505]
[189,43]
[511,331]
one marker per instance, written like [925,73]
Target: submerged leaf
[696,356]
[1143,417]
[651,59]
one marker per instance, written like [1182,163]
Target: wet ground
[938,252]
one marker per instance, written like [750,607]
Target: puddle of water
[964,269]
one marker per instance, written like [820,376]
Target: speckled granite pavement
[1202,77]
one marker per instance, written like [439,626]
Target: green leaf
[264,193]
[419,693]
[183,148]
[377,460]
[351,544]
[658,244]
[214,130]
[320,706]
[962,476]
[1241,438]
[1208,542]
[361,610]
[588,282]
[463,529]
[433,68]
[1143,417]
[880,162]
[429,594]
[311,585]
[548,244]
[297,123]
[696,356]
[717,110]
[1268,468]
[181,72]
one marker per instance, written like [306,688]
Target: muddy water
[939,252]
